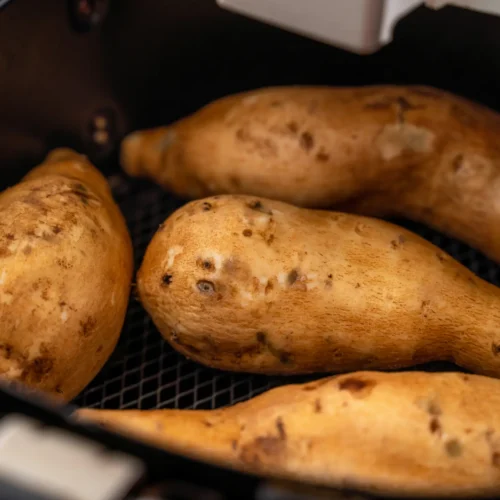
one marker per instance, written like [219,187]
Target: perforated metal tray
[145,372]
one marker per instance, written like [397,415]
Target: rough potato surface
[401,434]
[416,152]
[249,284]
[65,272]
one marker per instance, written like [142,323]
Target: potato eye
[206,287]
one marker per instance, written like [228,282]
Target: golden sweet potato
[65,272]
[414,433]
[249,284]
[415,152]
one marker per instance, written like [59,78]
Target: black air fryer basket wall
[148,63]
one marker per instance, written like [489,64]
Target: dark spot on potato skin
[441,257]
[206,206]
[261,337]
[247,233]
[306,141]
[166,279]
[27,250]
[292,127]
[5,252]
[495,349]
[453,448]
[433,408]
[258,206]
[284,357]
[36,370]
[9,236]
[205,264]
[322,157]
[356,386]
[81,192]
[7,350]
[206,423]
[57,229]
[458,163]
[495,459]
[357,285]
[58,389]
[206,287]
[87,326]
[99,349]
[435,426]
[269,287]
[280,426]
[317,406]
[292,277]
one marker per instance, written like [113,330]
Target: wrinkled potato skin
[249,284]
[414,433]
[65,273]
[415,152]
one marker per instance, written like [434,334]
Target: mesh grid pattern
[145,372]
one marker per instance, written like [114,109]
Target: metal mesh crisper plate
[145,372]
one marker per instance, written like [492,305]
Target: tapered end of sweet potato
[141,152]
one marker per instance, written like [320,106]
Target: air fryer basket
[145,372]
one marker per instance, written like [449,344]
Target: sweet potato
[414,433]
[65,273]
[415,152]
[249,284]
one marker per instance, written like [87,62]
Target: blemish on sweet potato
[292,277]
[206,287]
[87,326]
[317,406]
[247,233]
[7,350]
[495,349]
[306,141]
[322,156]
[280,426]
[441,256]
[258,206]
[166,279]
[453,448]
[433,408]
[36,370]
[458,163]
[435,426]
[356,386]
[261,337]
[205,264]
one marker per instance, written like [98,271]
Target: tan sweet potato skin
[65,273]
[415,152]
[414,433]
[249,284]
